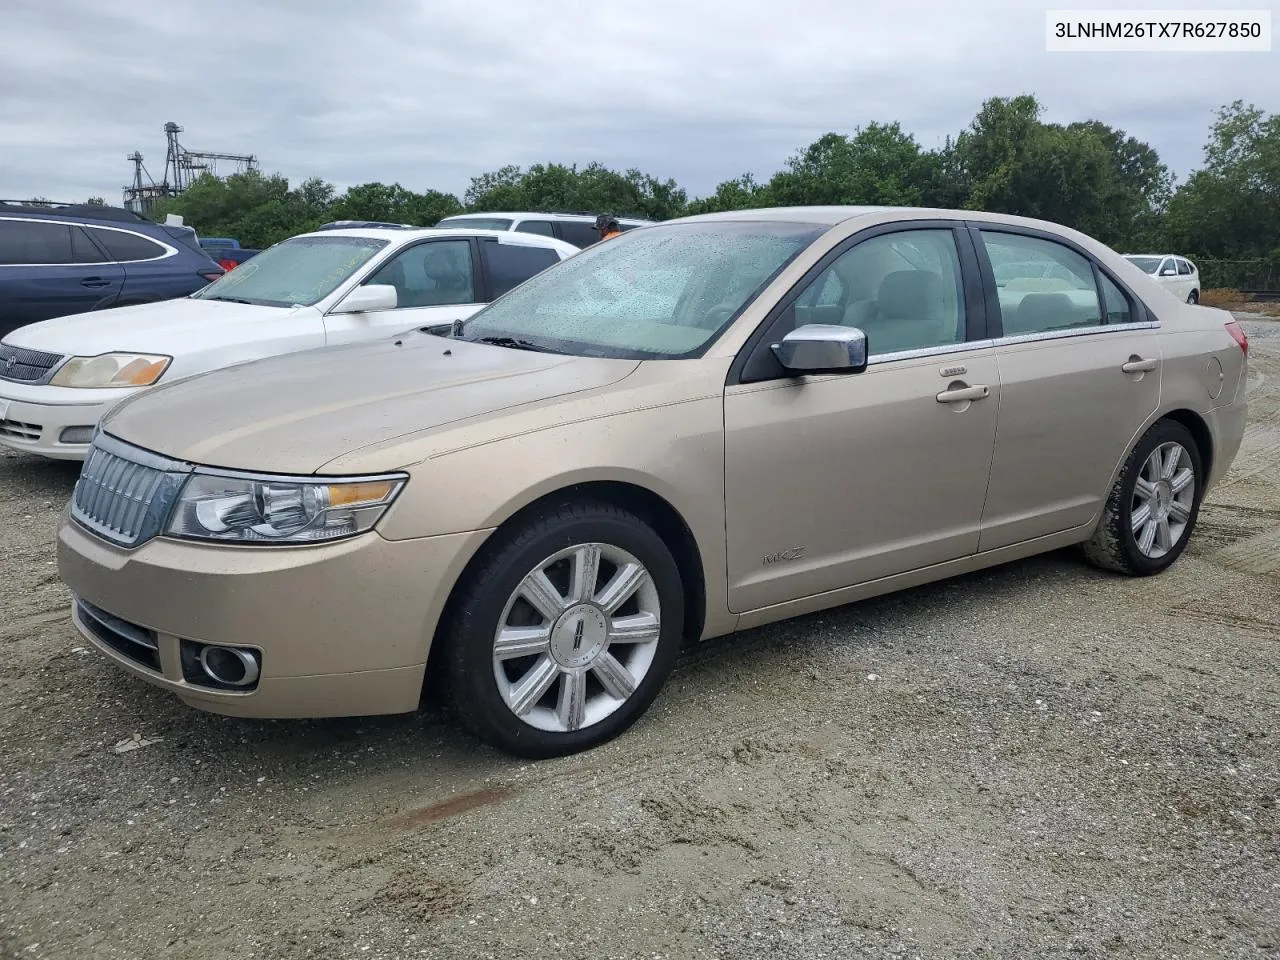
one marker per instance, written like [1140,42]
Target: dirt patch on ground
[1035,761]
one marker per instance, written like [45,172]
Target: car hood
[171,327]
[294,414]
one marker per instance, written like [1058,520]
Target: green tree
[743,193]
[595,188]
[879,164]
[96,202]
[1231,207]
[1085,175]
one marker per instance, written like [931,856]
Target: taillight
[227,265]
[211,275]
[1237,334]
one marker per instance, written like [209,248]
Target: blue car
[65,259]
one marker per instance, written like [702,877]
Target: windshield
[300,272]
[663,292]
[475,223]
[1146,264]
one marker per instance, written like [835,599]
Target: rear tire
[564,630]
[1193,296]
[1152,508]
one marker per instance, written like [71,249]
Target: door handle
[94,282]
[963,394]
[1139,366]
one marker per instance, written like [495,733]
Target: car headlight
[246,509]
[112,370]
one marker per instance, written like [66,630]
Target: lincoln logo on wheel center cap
[579,636]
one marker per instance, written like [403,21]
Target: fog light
[76,435]
[219,667]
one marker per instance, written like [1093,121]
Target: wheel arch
[649,506]
[1199,431]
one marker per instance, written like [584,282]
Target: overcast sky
[430,94]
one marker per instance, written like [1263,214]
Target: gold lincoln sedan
[698,427]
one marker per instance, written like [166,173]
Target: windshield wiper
[233,300]
[513,343]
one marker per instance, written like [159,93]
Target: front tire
[1153,505]
[564,630]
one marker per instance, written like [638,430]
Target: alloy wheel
[576,637]
[1163,498]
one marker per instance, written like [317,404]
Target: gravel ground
[1035,761]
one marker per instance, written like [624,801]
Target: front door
[1079,375]
[838,480]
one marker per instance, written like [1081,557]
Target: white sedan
[58,377]
[1176,274]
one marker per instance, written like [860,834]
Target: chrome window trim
[168,250]
[941,350]
[1079,332]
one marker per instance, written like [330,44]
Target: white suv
[58,377]
[1177,274]
[576,228]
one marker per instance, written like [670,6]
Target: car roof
[559,214]
[401,236]
[1180,256]
[73,211]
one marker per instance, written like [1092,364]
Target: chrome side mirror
[822,348]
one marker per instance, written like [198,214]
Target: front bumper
[343,629]
[33,418]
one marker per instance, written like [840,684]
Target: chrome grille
[26,366]
[124,494]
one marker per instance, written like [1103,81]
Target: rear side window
[577,232]
[126,247]
[474,223]
[1043,286]
[35,242]
[540,227]
[83,249]
[1184,268]
[510,265]
[1119,309]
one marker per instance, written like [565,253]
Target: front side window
[35,242]
[125,247]
[666,292]
[297,272]
[431,274]
[511,264]
[1055,290]
[903,290]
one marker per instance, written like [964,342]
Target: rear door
[51,268]
[1079,366]
[153,270]
[437,281]
[1186,282]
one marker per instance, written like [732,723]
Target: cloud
[430,94]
